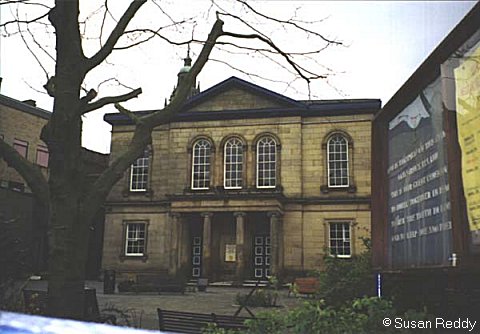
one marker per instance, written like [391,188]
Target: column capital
[274,214]
[175,215]
[206,214]
[239,214]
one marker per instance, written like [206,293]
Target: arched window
[139,172]
[266,163]
[337,161]
[201,164]
[233,164]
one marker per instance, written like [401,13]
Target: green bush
[260,298]
[360,316]
[343,280]
[126,286]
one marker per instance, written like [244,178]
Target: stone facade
[237,230]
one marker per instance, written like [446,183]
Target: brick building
[20,126]
[243,183]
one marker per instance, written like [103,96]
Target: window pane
[201,164]
[233,163]
[266,163]
[337,154]
[340,239]
[135,239]
[139,172]
[42,156]
[21,146]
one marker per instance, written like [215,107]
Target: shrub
[343,280]
[362,316]
[260,298]
[126,286]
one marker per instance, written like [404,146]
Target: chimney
[30,102]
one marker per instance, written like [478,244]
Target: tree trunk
[68,231]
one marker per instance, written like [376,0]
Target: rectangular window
[135,239]
[42,156]
[201,165]
[340,239]
[21,146]
[233,164]
[266,163]
[337,157]
[139,173]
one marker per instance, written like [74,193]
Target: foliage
[214,329]
[13,264]
[260,298]
[128,317]
[363,315]
[126,286]
[343,280]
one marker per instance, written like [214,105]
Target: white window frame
[136,237]
[139,165]
[338,161]
[233,148]
[258,171]
[205,180]
[343,238]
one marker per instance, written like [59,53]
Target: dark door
[196,256]
[261,256]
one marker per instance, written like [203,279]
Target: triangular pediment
[238,94]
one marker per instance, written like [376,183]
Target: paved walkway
[141,308]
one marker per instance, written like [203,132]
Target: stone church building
[244,183]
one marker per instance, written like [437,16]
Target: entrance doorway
[196,256]
[261,256]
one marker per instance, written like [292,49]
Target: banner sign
[467,88]
[419,219]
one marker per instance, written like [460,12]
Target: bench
[194,323]
[159,283]
[305,286]
[36,303]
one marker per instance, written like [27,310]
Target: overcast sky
[385,41]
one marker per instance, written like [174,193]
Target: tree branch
[289,22]
[110,99]
[143,129]
[183,90]
[135,119]
[18,21]
[30,172]
[295,66]
[117,32]
[102,186]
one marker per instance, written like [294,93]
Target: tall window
[135,239]
[42,156]
[201,164]
[233,164]
[266,163]
[340,239]
[21,146]
[139,172]
[337,157]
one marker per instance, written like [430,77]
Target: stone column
[240,244]
[207,244]
[175,231]
[275,242]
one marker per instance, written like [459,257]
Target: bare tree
[72,204]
